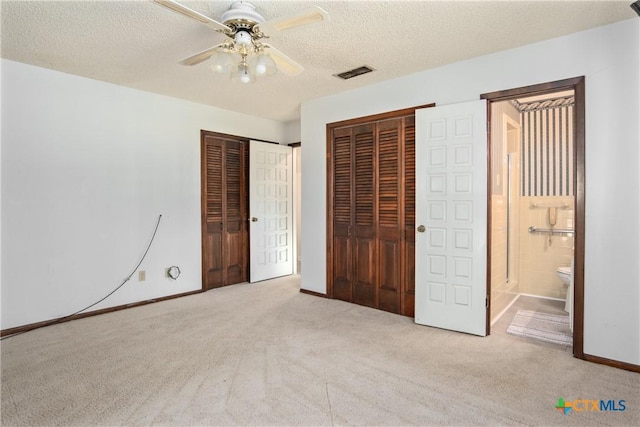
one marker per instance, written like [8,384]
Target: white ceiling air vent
[355,72]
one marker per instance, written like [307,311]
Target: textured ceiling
[139,44]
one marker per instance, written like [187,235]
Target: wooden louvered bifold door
[364,231]
[389,255]
[342,272]
[372,194]
[225,212]
[235,214]
[214,214]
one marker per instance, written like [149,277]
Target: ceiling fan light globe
[224,62]
[243,75]
[262,65]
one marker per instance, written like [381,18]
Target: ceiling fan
[243,54]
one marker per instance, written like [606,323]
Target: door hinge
[486,302]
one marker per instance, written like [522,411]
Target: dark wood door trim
[577,84]
[377,117]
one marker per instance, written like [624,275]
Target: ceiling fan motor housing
[242,16]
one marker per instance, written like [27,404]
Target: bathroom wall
[540,256]
[502,291]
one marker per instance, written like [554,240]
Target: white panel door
[451,215]
[271,210]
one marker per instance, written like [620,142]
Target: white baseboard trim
[504,310]
[541,297]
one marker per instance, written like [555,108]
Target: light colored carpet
[265,354]
[542,326]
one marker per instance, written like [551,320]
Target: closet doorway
[496,174]
[371,211]
[224,209]
[247,210]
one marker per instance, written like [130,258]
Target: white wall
[609,58]
[87,167]
[291,132]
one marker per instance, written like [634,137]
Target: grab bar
[549,205]
[533,229]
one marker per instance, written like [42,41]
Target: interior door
[271,210]
[224,249]
[451,217]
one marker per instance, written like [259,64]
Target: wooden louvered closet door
[342,253]
[225,237]
[364,231]
[390,208]
[372,189]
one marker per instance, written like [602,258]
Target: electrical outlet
[142,276]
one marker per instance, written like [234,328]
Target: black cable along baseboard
[68,317]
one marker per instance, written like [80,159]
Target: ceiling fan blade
[304,17]
[201,56]
[283,62]
[190,13]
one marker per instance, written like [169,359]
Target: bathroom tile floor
[536,304]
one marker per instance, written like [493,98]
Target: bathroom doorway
[536,214]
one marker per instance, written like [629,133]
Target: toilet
[564,273]
[566,276]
